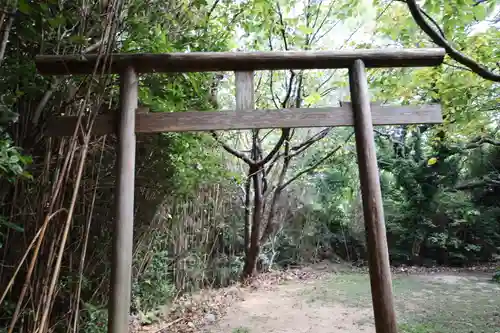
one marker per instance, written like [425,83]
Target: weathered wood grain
[253,119]
[373,211]
[237,61]
[121,271]
[244,91]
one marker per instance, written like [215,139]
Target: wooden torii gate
[359,113]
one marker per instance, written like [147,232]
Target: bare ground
[333,299]
[426,303]
[285,310]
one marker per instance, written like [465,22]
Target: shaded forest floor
[334,301]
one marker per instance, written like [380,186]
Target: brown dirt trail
[284,310]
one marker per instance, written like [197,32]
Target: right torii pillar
[378,255]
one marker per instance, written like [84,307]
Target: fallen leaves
[189,313]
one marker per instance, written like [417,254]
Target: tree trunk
[248,214]
[271,225]
[254,250]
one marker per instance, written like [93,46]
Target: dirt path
[342,303]
[338,301]
[285,310]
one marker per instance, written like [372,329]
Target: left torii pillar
[121,272]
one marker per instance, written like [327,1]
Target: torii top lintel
[237,61]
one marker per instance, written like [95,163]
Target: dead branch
[86,240]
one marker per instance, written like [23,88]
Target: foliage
[12,162]
[496,276]
[168,164]
[94,319]
[438,217]
[440,183]
[13,165]
[154,287]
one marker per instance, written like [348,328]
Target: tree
[426,22]
[429,162]
[58,210]
[270,174]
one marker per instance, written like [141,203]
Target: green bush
[94,319]
[496,275]
[153,287]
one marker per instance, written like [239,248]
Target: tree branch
[3,14]
[313,139]
[212,9]
[93,47]
[486,181]
[274,97]
[282,28]
[289,90]
[478,2]
[318,29]
[272,163]
[456,55]
[45,99]
[458,67]
[5,37]
[315,165]
[233,151]
[327,31]
[316,16]
[299,149]
[478,142]
[285,132]
[441,32]
[388,136]
[285,43]
[271,82]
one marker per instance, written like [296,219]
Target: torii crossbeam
[360,114]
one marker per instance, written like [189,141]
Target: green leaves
[432,161]
[496,275]
[78,39]
[57,21]
[24,7]
[5,223]
[12,162]
[305,30]
[313,98]
[423,200]
[480,12]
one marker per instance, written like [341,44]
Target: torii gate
[359,114]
